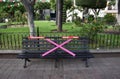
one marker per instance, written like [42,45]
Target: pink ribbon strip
[58,46]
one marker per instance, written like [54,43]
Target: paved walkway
[100,68]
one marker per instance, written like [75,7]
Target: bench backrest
[77,46]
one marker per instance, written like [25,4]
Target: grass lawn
[44,26]
[2,24]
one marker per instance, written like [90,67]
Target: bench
[55,48]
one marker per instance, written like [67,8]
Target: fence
[13,41]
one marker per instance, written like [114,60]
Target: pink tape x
[58,46]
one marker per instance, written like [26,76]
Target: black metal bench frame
[35,48]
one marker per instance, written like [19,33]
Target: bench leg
[56,63]
[86,62]
[25,64]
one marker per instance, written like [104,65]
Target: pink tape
[58,46]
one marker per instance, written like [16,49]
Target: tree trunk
[64,13]
[29,8]
[31,23]
[59,15]
[56,12]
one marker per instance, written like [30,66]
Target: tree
[60,6]
[112,2]
[40,6]
[8,11]
[67,4]
[59,14]
[95,5]
[53,4]
[28,4]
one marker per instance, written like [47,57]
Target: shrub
[24,18]
[77,21]
[37,16]
[47,17]
[18,15]
[90,18]
[117,28]
[110,19]
[91,29]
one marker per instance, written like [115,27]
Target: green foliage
[11,7]
[92,3]
[112,2]
[37,16]
[110,19]
[39,7]
[95,5]
[64,14]
[4,15]
[12,11]
[42,5]
[91,29]
[24,18]
[18,15]
[53,4]
[90,18]
[67,4]
[117,28]
[78,21]
[47,17]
